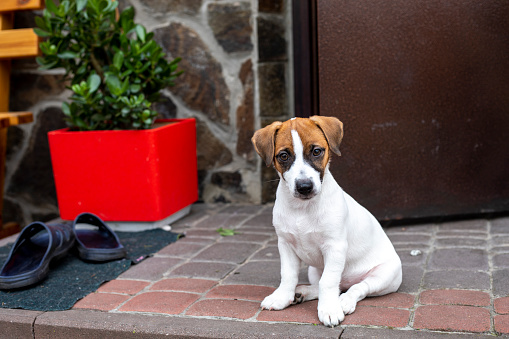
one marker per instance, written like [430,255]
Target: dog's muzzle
[304,188]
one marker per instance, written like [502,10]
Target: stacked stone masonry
[236,79]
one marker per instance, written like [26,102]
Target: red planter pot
[144,175]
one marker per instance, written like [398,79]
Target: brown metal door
[422,87]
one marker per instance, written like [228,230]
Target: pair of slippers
[38,244]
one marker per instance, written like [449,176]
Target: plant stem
[96,65]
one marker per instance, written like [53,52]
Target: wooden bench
[14,43]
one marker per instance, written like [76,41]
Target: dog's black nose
[304,186]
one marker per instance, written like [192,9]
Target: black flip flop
[96,242]
[37,245]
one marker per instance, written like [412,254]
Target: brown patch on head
[319,136]
[332,129]
[263,141]
[313,140]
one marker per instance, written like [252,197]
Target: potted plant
[115,159]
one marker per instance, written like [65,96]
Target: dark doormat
[71,279]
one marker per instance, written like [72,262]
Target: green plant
[226,232]
[115,68]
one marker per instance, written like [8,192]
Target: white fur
[343,244]
[300,169]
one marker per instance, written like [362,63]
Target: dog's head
[300,150]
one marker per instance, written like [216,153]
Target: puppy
[319,224]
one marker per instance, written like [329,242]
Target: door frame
[305,58]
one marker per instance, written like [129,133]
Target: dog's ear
[332,128]
[263,142]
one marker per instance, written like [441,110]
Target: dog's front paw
[278,300]
[347,303]
[330,313]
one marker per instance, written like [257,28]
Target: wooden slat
[5,73]
[18,43]
[5,122]
[6,20]
[13,5]
[17,118]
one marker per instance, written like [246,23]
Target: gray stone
[500,240]
[15,136]
[457,279]
[272,80]
[269,253]
[12,212]
[413,260]
[230,181]
[211,152]
[271,6]
[245,114]
[230,23]
[271,39]
[165,108]
[409,238]
[270,181]
[264,273]
[17,323]
[207,270]
[33,179]
[201,86]
[500,226]
[222,220]
[150,269]
[412,276]
[262,220]
[89,324]
[27,89]
[460,242]
[247,237]
[242,209]
[385,333]
[501,260]
[456,233]
[189,7]
[425,228]
[227,252]
[500,285]
[466,225]
[458,258]
[123,4]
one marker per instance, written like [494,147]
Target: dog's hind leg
[309,292]
[383,279]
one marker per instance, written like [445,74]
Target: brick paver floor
[455,277]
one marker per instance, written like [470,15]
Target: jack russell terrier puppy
[318,223]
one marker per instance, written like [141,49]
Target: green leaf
[51,7]
[80,4]
[135,88]
[45,64]
[141,32]
[80,123]
[67,55]
[114,85]
[66,109]
[41,33]
[126,19]
[118,60]
[97,117]
[39,21]
[226,232]
[125,86]
[93,81]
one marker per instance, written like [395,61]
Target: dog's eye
[317,152]
[283,156]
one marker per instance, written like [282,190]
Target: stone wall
[236,79]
